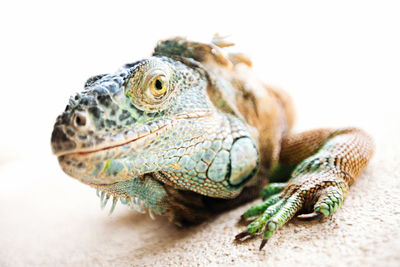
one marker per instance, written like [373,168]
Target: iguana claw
[310,216]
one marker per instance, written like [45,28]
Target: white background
[328,55]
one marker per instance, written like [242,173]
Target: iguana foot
[323,196]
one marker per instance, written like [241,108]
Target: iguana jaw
[94,166]
[116,162]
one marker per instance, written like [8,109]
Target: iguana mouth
[117,140]
[86,153]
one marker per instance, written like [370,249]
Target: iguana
[191,131]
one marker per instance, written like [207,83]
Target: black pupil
[158,85]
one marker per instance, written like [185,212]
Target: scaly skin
[191,131]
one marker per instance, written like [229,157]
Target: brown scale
[350,149]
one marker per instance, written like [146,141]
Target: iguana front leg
[327,163]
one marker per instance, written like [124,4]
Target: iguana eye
[159,86]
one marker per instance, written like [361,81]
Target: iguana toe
[279,208]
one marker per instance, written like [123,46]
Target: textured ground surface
[49,219]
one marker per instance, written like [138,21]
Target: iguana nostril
[80,120]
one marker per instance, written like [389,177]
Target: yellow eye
[158,86]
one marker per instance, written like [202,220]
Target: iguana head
[149,125]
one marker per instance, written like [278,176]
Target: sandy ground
[49,219]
